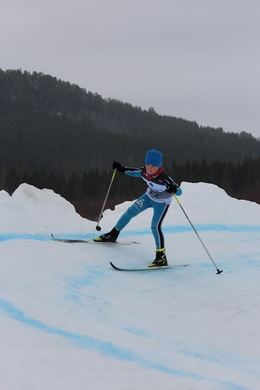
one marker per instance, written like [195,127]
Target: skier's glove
[178,191]
[174,189]
[118,166]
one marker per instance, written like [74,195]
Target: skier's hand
[118,166]
[174,189]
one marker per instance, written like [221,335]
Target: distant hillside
[46,123]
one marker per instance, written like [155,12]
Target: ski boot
[108,237]
[160,259]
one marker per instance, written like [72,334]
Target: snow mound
[31,210]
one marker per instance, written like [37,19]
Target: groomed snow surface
[69,321]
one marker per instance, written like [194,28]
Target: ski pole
[105,201]
[197,234]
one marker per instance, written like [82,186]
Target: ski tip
[113,266]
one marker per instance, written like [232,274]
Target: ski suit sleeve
[134,172]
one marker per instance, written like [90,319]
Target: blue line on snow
[91,343]
[138,232]
[24,236]
[204,228]
[106,348]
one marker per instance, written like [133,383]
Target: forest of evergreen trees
[59,136]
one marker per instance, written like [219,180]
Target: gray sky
[194,59]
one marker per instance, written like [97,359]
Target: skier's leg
[141,204]
[160,210]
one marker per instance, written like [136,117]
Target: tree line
[46,123]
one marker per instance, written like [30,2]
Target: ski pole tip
[219,271]
[98,228]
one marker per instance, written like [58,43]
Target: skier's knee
[155,228]
[131,212]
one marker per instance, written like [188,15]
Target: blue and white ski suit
[158,196]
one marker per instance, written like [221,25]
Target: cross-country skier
[159,194]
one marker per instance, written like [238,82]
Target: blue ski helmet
[154,157]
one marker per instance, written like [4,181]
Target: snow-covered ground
[68,321]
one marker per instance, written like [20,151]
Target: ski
[148,268]
[82,241]
[68,240]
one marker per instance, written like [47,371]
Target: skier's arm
[172,187]
[134,172]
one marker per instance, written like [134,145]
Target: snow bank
[32,210]
[43,211]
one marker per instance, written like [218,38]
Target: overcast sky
[194,59]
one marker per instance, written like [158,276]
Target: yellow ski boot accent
[160,259]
